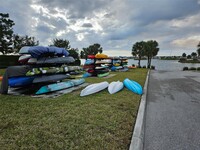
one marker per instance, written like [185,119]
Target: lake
[161,64]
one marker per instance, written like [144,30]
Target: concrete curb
[137,140]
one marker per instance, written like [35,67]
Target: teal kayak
[60,86]
[133,86]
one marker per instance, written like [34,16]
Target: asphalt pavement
[173,111]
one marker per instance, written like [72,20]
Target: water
[161,64]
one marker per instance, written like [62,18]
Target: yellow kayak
[101,56]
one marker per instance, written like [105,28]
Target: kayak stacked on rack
[40,66]
[119,64]
[97,65]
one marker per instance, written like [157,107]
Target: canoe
[94,88]
[59,86]
[103,74]
[115,87]
[133,86]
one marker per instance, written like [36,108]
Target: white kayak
[115,87]
[94,88]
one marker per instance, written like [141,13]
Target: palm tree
[138,50]
[151,49]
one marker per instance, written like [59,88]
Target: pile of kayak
[97,65]
[41,66]
[113,87]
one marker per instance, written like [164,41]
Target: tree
[91,50]
[184,55]
[20,41]
[194,55]
[189,57]
[150,49]
[61,43]
[66,44]
[6,32]
[198,50]
[138,50]
[74,53]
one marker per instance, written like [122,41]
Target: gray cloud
[115,24]
[87,25]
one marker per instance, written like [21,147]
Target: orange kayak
[131,67]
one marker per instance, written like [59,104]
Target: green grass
[99,121]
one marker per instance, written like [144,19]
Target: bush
[185,68]
[198,68]
[153,67]
[182,59]
[144,67]
[193,68]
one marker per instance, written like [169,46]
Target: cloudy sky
[115,24]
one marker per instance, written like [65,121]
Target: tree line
[12,43]
[193,55]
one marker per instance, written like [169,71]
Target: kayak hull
[115,87]
[94,88]
[133,86]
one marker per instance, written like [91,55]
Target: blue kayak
[20,81]
[133,86]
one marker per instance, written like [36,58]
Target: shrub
[198,68]
[182,59]
[144,67]
[185,68]
[193,68]
[153,67]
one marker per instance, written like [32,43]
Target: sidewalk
[173,111]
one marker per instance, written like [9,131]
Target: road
[173,111]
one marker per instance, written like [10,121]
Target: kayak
[60,86]
[1,78]
[20,81]
[94,88]
[51,78]
[103,74]
[115,87]
[101,56]
[133,86]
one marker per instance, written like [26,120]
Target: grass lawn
[98,121]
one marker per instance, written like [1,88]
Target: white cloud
[186,43]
